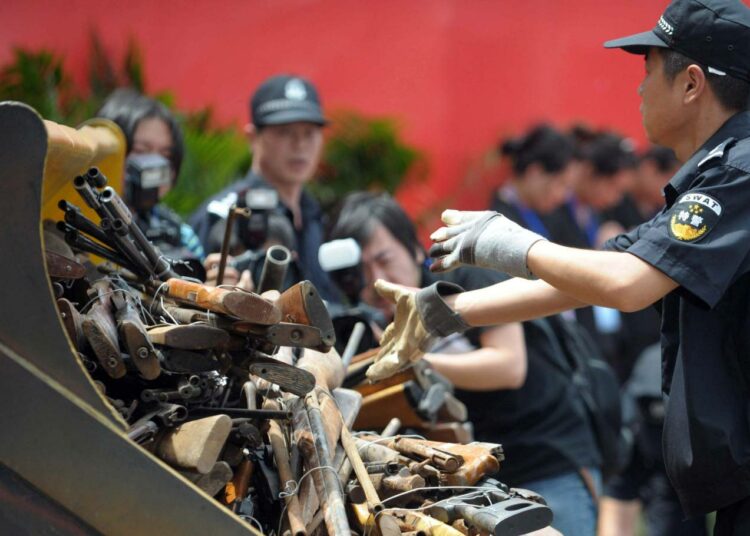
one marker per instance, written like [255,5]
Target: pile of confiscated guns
[241,393]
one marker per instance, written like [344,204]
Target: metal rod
[353,343]
[225,243]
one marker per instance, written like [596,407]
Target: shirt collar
[736,126]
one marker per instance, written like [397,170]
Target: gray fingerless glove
[505,246]
[437,317]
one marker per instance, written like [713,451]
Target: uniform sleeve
[624,241]
[702,240]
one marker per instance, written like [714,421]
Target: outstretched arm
[500,363]
[608,278]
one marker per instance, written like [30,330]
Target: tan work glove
[421,317]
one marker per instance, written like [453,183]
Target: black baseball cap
[714,33]
[286,99]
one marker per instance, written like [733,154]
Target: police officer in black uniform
[286,138]
[692,259]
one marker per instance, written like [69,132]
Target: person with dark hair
[693,258]
[541,164]
[152,137]
[286,137]
[513,394]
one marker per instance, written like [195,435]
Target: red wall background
[457,74]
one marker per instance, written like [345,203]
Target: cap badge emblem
[295,90]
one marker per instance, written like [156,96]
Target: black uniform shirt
[309,237]
[701,240]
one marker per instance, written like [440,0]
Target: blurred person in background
[604,167]
[541,164]
[153,145]
[644,197]
[286,140]
[512,392]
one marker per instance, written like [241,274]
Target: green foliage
[36,78]
[214,157]
[363,154]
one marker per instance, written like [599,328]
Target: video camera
[342,259]
[253,231]
[145,174]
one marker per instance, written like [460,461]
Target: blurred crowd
[578,187]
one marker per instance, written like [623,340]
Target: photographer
[513,394]
[154,155]
[286,137]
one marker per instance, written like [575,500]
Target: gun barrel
[76,240]
[274,268]
[118,210]
[74,218]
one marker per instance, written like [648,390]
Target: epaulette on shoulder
[739,156]
[716,155]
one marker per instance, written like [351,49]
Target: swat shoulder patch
[693,216]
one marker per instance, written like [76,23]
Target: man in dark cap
[692,258]
[286,138]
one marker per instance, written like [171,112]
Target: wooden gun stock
[189,337]
[133,333]
[237,303]
[301,304]
[101,332]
